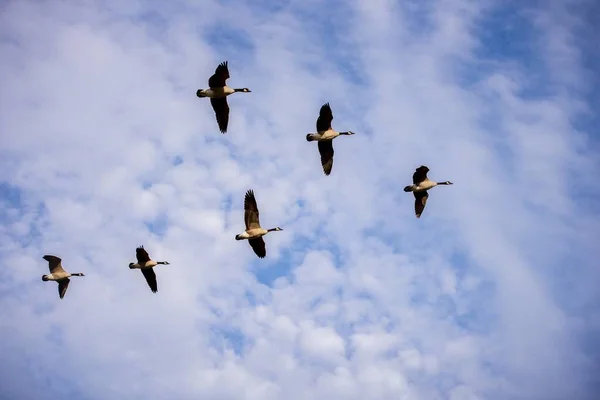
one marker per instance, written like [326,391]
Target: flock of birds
[218,92]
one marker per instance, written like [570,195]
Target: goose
[58,274]
[254,232]
[325,135]
[218,92]
[146,265]
[421,184]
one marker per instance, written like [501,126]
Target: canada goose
[146,265]
[421,184]
[325,135]
[58,274]
[218,92]
[254,232]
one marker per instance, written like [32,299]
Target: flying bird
[325,135]
[146,265]
[58,274]
[421,184]
[254,232]
[218,92]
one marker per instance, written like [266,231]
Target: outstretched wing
[420,201]
[258,245]
[325,118]
[326,151]
[220,76]
[54,263]
[142,255]
[251,215]
[420,174]
[63,284]
[221,108]
[150,278]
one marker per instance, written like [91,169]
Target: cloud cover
[104,146]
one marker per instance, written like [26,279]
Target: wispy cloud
[104,146]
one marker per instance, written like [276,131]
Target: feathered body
[58,274]
[146,265]
[254,232]
[218,92]
[324,136]
[421,185]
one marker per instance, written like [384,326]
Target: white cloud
[104,146]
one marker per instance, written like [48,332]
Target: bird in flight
[254,232]
[146,265]
[58,274]
[217,92]
[325,135]
[421,185]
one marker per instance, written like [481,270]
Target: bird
[58,274]
[325,135]
[254,232]
[218,92]
[146,265]
[421,184]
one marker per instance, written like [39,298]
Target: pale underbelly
[217,93]
[422,188]
[57,278]
[254,234]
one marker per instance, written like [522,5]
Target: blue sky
[491,294]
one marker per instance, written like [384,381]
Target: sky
[104,146]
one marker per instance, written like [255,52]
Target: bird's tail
[311,136]
[199,93]
[408,189]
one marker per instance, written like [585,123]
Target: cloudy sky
[104,146]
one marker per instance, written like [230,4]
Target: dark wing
[326,150]
[258,245]
[220,76]
[420,201]
[63,284]
[142,255]
[150,278]
[221,112]
[420,174]
[251,211]
[325,118]
[54,263]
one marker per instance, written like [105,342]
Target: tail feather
[408,189]
[199,93]
[311,137]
